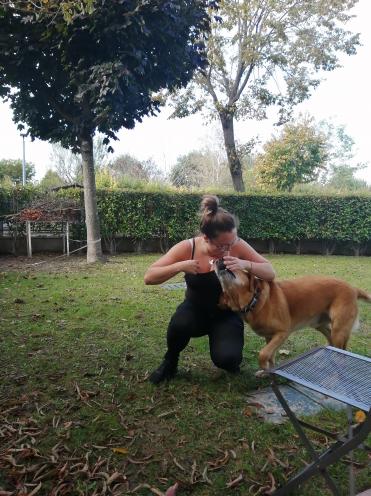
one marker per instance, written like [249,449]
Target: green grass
[76,345]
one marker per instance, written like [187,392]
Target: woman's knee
[227,359]
[226,343]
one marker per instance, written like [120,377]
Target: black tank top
[203,289]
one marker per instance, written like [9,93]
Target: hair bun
[209,204]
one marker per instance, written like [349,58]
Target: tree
[51,180]
[99,72]
[187,172]
[297,155]
[341,168]
[343,179]
[201,169]
[12,169]
[126,167]
[68,165]
[263,53]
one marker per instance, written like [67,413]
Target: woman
[199,314]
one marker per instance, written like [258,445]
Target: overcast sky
[343,98]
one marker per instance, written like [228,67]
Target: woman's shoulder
[183,248]
[241,247]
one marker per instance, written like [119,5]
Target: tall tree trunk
[234,162]
[94,252]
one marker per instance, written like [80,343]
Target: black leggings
[224,328]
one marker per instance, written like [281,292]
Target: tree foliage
[11,171]
[100,72]
[69,9]
[297,155]
[97,73]
[201,169]
[68,165]
[341,163]
[188,170]
[128,167]
[263,53]
[51,179]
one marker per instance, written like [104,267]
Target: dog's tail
[363,295]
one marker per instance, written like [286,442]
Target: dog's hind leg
[343,318]
[326,331]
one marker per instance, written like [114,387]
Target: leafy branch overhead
[98,72]
[51,9]
[265,53]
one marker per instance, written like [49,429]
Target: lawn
[77,415]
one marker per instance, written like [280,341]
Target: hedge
[171,217]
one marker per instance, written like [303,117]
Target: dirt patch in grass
[43,262]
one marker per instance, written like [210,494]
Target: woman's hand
[190,266]
[234,263]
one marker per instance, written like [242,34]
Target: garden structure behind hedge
[274,222]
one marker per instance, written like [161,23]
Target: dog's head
[238,287]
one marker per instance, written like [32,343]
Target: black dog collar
[250,306]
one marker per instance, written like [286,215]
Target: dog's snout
[220,264]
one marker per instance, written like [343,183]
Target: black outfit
[197,316]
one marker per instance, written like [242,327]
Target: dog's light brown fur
[323,303]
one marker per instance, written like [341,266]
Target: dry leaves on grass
[26,471]
[170,492]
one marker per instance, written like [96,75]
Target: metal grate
[337,373]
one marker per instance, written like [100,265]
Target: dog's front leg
[266,355]
[271,361]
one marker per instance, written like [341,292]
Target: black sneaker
[165,371]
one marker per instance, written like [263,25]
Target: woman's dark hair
[214,219]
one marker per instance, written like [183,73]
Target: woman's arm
[176,260]
[246,258]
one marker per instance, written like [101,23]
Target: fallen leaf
[284,352]
[178,464]
[273,485]
[154,490]
[113,477]
[235,482]
[120,451]
[256,404]
[248,412]
[172,490]
[36,490]
[166,414]
[360,416]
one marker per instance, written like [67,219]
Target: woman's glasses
[227,246]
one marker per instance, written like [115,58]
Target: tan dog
[276,309]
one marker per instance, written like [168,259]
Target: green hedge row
[173,216]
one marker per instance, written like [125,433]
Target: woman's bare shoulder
[177,253]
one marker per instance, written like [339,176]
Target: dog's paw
[261,373]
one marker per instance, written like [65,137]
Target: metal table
[341,375]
